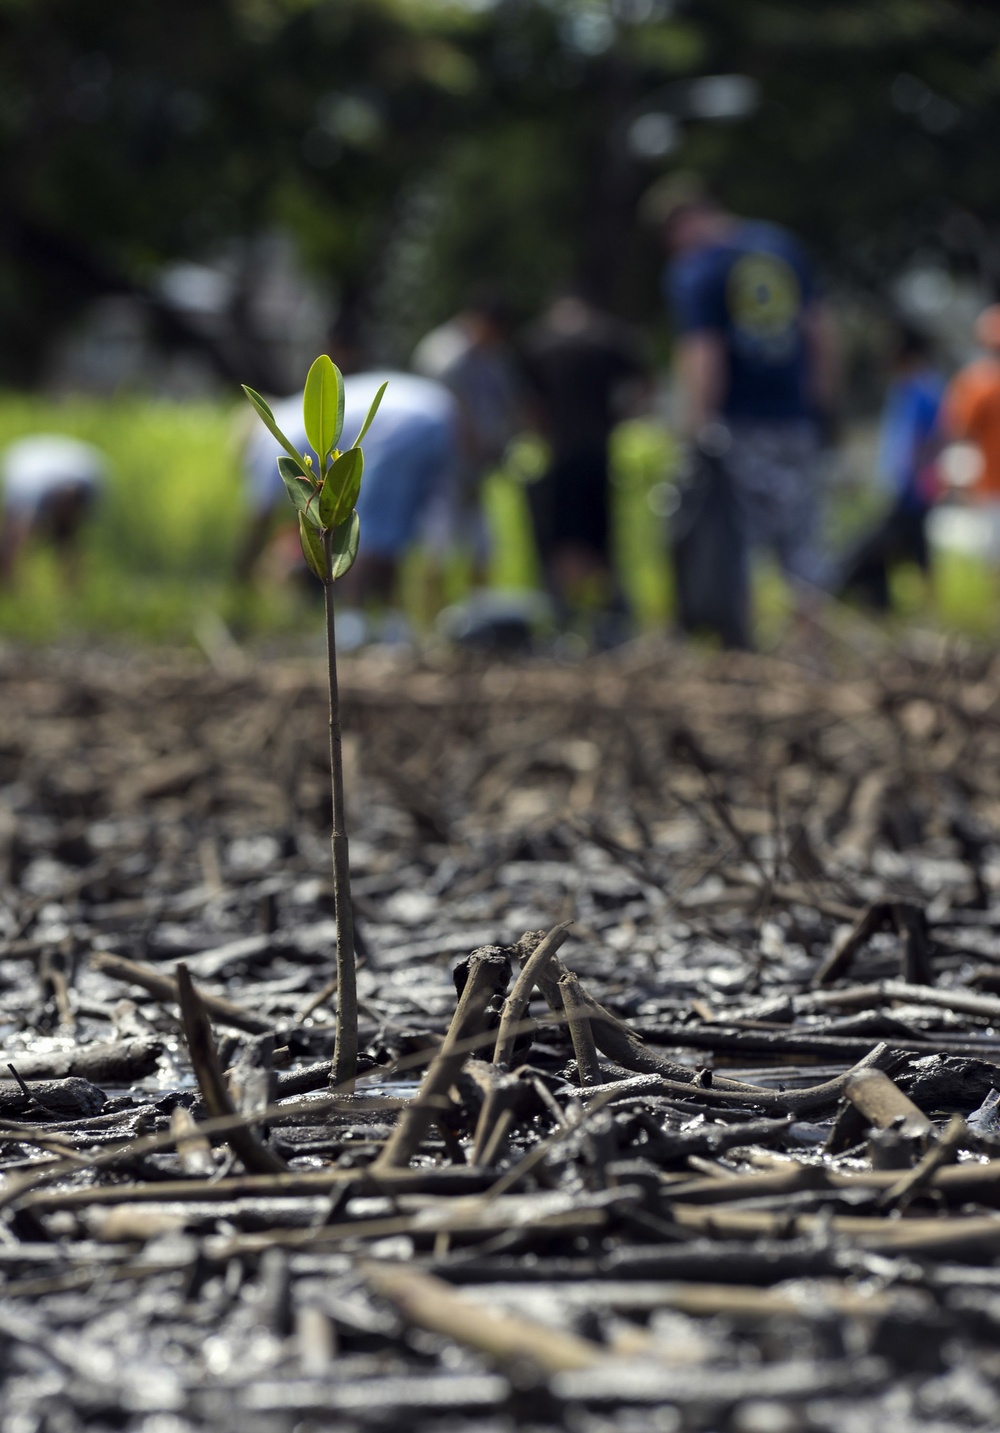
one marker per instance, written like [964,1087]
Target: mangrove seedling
[324,498]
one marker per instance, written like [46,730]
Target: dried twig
[517,1001]
[165,987]
[433,1304]
[486,976]
[211,1081]
[578,1019]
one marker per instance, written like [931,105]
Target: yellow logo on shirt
[764,297]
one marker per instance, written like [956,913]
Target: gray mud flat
[680,997]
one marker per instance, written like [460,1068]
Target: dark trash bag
[708,548]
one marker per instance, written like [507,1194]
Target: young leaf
[343,542]
[312,547]
[299,489]
[371,413]
[323,405]
[294,468]
[258,402]
[268,419]
[341,488]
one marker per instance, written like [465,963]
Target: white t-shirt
[34,468]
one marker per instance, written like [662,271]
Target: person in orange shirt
[971,411]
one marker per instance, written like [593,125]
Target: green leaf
[268,419]
[323,406]
[341,488]
[294,468]
[343,542]
[312,547]
[371,413]
[299,489]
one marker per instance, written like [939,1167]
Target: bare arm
[701,365]
[823,348]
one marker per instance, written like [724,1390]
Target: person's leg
[865,573]
[799,549]
[476,530]
[455,537]
[752,514]
[540,496]
[779,490]
[578,575]
[709,550]
[60,521]
[915,546]
[439,534]
[15,529]
[732,525]
[577,565]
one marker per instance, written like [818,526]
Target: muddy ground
[738,1165]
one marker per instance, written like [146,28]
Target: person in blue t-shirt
[908,446]
[757,374]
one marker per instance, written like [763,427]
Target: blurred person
[472,356]
[758,377]
[971,415]
[409,454]
[50,484]
[909,443]
[582,368]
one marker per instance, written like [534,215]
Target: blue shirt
[752,289]
[909,421]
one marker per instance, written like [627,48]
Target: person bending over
[50,483]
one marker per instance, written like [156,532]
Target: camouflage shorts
[775,472]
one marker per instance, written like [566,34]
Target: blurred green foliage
[162,537]
[416,147]
[175,498]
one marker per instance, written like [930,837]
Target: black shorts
[569,504]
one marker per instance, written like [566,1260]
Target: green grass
[160,548]
[162,540]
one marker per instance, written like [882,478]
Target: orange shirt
[972,415]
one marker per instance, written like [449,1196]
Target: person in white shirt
[49,485]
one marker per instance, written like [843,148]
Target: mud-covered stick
[211,1081]
[488,972]
[517,1001]
[164,987]
[432,1304]
[578,1018]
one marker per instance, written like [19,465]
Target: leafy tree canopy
[416,147]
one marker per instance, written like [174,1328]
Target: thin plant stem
[345,1051]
